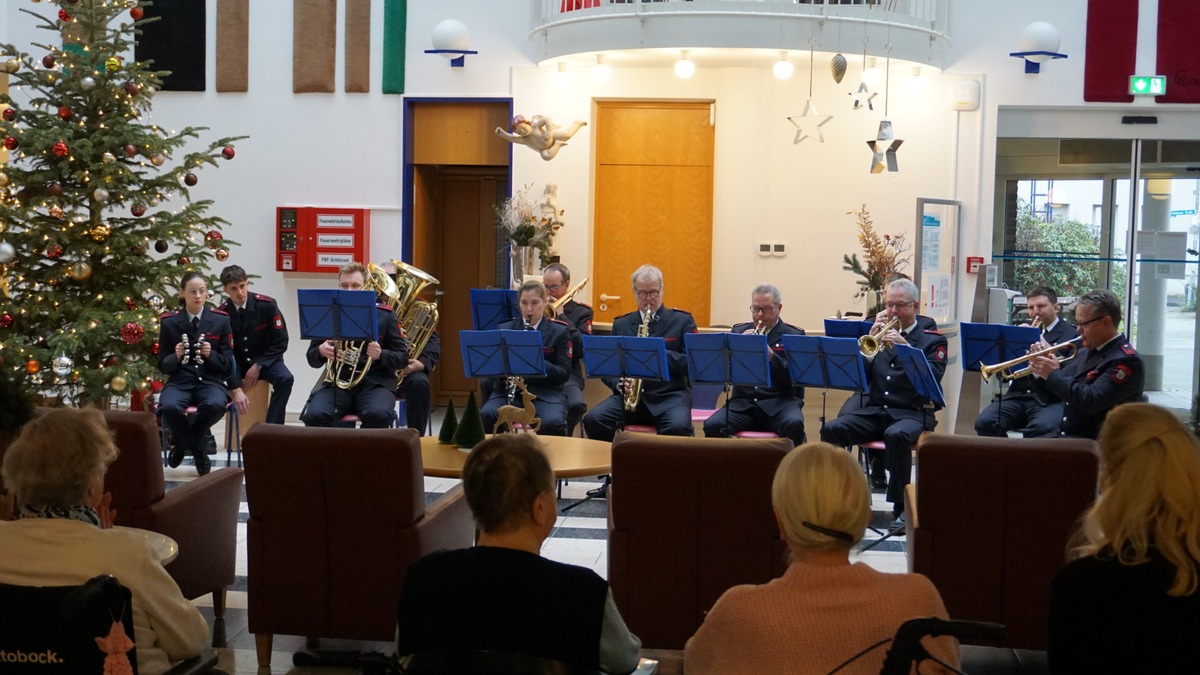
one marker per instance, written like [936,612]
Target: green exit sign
[1147,85]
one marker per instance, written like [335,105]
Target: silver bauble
[87,83]
[62,365]
[100,194]
[7,252]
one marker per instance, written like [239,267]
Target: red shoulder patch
[264,298]
[166,315]
[1121,374]
[584,304]
[218,311]
[1128,349]
[676,309]
[380,305]
[932,332]
[560,322]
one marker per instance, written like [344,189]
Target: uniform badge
[940,354]
[278,322]
[587,327]
[1121,374]
[570,350]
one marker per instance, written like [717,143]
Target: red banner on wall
[1179,50]
[1110,53]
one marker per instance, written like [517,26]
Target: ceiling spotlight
[871,75]
[562,78]
[601,72]
[783,68]
[916,71]
[683,67]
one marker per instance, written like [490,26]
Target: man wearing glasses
[1105,372]
[666,405]
[776,408]
[893,411]
[578,318]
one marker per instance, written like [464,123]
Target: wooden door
[653,203]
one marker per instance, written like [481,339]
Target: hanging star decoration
[884,155]
[821,120]
[863,96]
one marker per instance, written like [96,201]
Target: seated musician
[892,410]
[666,405]
[1036,414]
[550,403]
[373,399]
[1105,372]
[776,408]
[418,400]
[578,317]
[196,354]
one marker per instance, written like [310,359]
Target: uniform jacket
[1061,332]
[214,328]
[891,390]
[671,325]
[579,319]
[260,335]
[432,353]
[556,348]
[393,358]
[782,393]
[1094,382]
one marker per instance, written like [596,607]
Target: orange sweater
[812,619]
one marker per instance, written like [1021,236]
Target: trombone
[1005,370]
[869,345]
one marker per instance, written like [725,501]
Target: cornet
[760,328]
[1005,372]
[869,345]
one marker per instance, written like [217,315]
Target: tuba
[417,318]
[635,386]
[349,365]
[869,345]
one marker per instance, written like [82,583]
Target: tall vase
[526,260]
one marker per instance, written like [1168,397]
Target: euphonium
[634,392]
[417,318]
[1005,371]
[553,307]
[869,345]
[349,365]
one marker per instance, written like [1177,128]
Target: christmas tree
[96,222]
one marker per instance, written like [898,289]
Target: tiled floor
[579,539]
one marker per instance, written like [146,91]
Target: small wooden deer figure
[512,415]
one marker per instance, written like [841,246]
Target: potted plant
[885,256]
[529,226]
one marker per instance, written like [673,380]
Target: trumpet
[1005,370]
[760,328]
[869,345]
[1037,323]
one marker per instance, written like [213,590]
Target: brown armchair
[201,516]
[687,519]
[993,516]
[336,517]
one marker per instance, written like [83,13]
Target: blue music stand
[626,356]
[334,314]
[502,353]
[826,362]
[984,343]
[728,359]
[491,307]
[847,328]
[916,366]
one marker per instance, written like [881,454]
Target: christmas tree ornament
[190,179]
[227,152]
[108,158]
[213,237]
[79,218]
[138,250]
[9,114]
[63,16]
[32,366]
[209,295]
[137,210]
[130,304]
[54,188]
[160,246]
[154,348]
[7,252]
[130,150]
[153,203]
[118,385]
[11,143]
[12,66]
[132,88]
[156,302]
[6,320]
[222,254]
[3,179]
[837,67]
[87,83]
[64,113]
[156,386]
[132,333]
[111,360]
[100,194]
[62,365]
[183,260]
[136,13]
[100,233]
[48,61]
[157,160]
[112,63]
[60,149]
[149,90]
[81,271]
[55,212]
[54,251]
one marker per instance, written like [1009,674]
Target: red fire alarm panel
[320,238]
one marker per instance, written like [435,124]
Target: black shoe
[178,452]
[878,480]
[599,493]
[898,523]
[209,443]
[203,466]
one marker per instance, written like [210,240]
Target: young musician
[550,403]
[260,340]
[578,318]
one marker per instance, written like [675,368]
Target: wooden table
[570,457]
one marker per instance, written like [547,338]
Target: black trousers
[210,400]
[374,404]
[575,405]
[281,381]
[1021,412]
[787,423]
[603,421]
[899,436]
[417,401]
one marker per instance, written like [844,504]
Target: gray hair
[646,272]
[1104,302]
[53,461]
[560,268]
[768,289]
[907,287]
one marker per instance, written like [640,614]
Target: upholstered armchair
[687,519]
[201,516]
[336,518]
[992,521]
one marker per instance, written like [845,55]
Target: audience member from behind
[61,537]
[824,612]
[1129,602]
[501,595]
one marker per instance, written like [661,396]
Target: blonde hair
[820,485]
[56,456]
[1150,493]
[532,285]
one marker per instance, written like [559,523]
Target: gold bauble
[12,65]
[81,271]
[55,211]
[100,233]
[118,383]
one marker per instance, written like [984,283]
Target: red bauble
[130,149]
[130,304]
[132,88]
[11,143]
[227,152]
[213,236]
[112,359]
[63,16]
[54,251]
[156,386]
[137,210]
[132,333]
[64,113]
[222,254]
[54,188]
[138,250]
[9,114]
[184,260]
[190,179]
[154,351]
[160,246]
[32,366]
[136,13]
[48,61]
[6,320]
[60,149]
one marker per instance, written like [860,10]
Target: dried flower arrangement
[884,254]
[529,223]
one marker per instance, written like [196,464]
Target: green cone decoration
[470,427]
[449,425]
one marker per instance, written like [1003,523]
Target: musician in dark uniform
[374,399]
[578,318]
[415,385]
[260,339]
[892,410]
[666,405]
[550,403]
[1105,372]
[1036,413]
[776,408]
[199,369]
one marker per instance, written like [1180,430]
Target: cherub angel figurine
[539,133]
